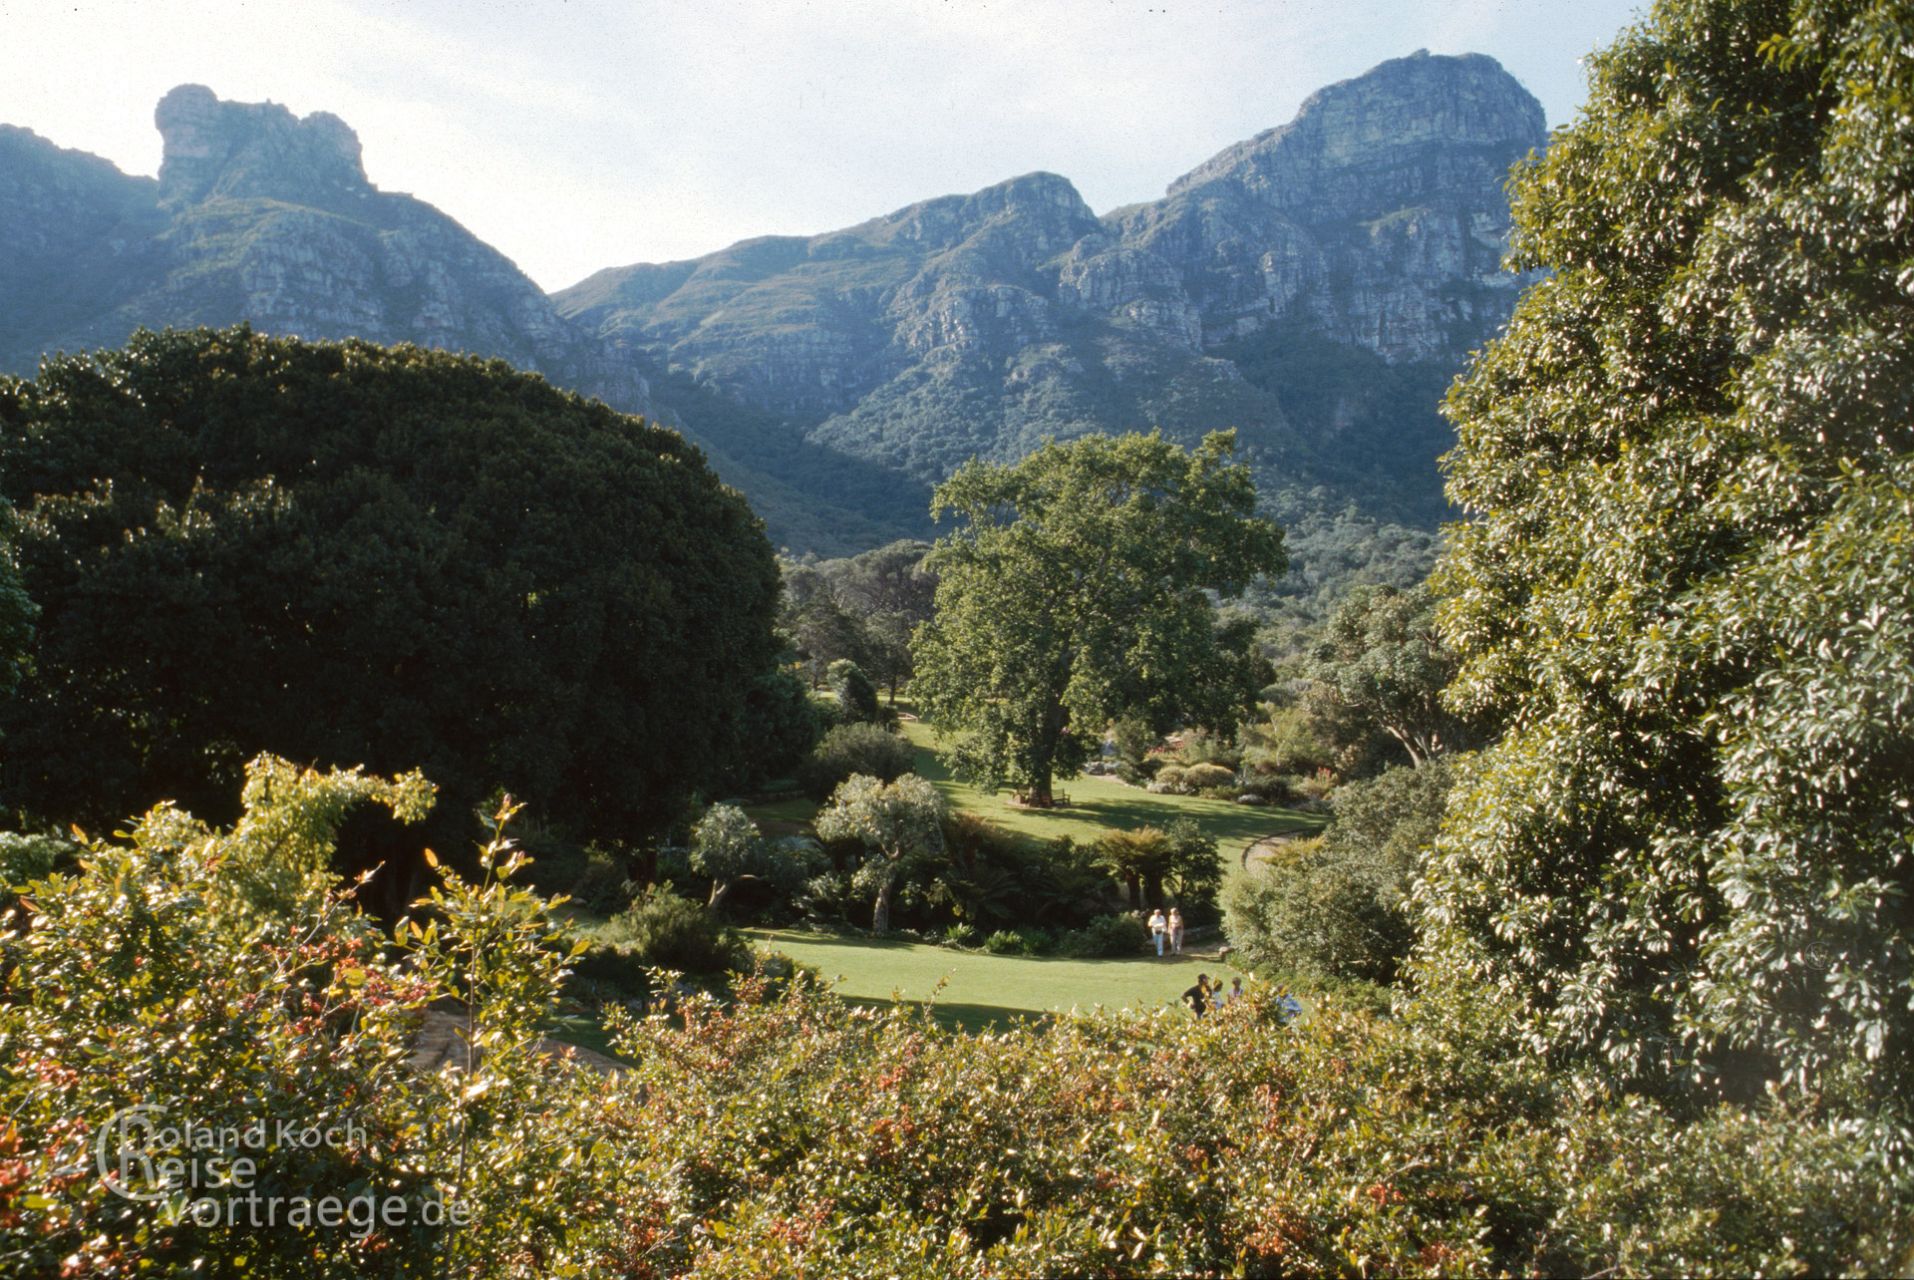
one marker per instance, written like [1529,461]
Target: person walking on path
[1198,996]
[1157,928]
[1176,930]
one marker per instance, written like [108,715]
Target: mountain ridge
[981,323]
[1314,285]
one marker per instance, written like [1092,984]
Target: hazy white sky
[579,134]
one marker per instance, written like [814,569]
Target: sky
[574,135]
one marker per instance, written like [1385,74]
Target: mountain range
[1315,286]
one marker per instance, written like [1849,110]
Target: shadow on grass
[957,1016]
[1093,808]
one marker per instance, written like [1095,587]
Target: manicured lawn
[985,990]
[1096,805]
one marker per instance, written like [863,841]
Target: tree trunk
[881,909]
[1134,884]
[1043,756]
[718,889]
[1153,891]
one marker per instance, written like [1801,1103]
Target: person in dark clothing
[1198,996]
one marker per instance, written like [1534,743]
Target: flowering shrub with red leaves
[782,1132]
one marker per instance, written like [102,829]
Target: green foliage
[1105,936]
[665,930]
[1171,779]
[1174,866]
[852,749]
[1337,909]
[995,879]
[726,848]
[784,727]
[785,1133]
[1134,736]
[1686,589]
[1017,942]
[1074,593]
[890,591]
[344,553]
[898,823]
[1288,742]
[593,876]
[610,972]
[1195,871]
[1208,777]
[25,858]
[157,975]
[1380,668]
[817,624]
[17,611]
[856,695]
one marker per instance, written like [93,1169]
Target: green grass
[1096,805]
[981,990]
[986,990]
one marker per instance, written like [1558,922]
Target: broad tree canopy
[1075,591]
[1688,589]
[345,554]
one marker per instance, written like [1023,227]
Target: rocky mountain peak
[218,148]
[1045,207]
[1386,139]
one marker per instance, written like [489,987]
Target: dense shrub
[1337,907]
[218,975]
[1171,779]
[593,876]
[667,931]
[850,749]
[1019,942]
[1111,935]
[609,971]
[856,695]
[1208,777]
[1268,788]
[31,857]
[784,725]
[1202,747]
[995,879]
[1287,742]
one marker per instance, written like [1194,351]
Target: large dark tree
[1075,592]
[346,554]
[1688,589]
[892,592]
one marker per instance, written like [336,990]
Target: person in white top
[1158,927]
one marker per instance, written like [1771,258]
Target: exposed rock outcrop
[1373,223]
[1314,286]
[262,216]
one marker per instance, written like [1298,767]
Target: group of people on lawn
[1205,995]
[1168,929]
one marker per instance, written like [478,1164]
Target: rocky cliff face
[265,217]
[1313,286]
[1376,216]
